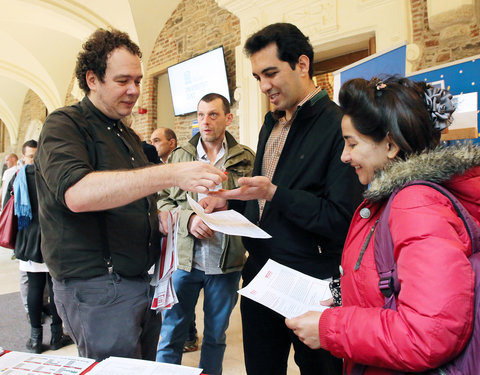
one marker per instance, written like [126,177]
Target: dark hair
[170,134]
[291,43]
[213,96]
[96,51]
[31,143]
[394,105]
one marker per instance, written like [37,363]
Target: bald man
[11,163]
[165,141]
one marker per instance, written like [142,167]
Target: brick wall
[461,42]
[325,81]
[34,113]
[196,26]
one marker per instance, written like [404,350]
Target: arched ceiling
[40,39]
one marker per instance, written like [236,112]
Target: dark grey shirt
[75,141]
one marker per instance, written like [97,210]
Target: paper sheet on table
[16,363]
[127,366]
[228,222]
[287,291]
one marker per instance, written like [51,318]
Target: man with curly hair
[97,205]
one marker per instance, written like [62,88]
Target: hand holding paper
[306,328]
[228,222]
[287,291]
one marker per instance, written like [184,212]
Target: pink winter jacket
[435,305]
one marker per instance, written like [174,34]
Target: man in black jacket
[301,193]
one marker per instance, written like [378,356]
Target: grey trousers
[109,315]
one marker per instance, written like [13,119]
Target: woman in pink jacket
[392,132]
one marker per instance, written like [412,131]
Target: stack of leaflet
[164,296]
[128,366]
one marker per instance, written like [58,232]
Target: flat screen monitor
[190,80]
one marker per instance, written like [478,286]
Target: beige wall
[436,32]
[33,115]
[165,115]
[334,28]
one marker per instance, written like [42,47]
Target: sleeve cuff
[280,197]
[68,181]
[323,326]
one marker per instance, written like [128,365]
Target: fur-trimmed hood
[438,166]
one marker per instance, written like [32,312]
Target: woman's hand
[306,328]
[328,302]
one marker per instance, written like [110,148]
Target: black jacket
[27,245]
[317,194]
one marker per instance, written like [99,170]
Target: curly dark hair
[96,51]
[291,43]
[393,105]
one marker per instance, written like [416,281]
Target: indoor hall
[14,327]
[40,40]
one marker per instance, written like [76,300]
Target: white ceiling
[40,39]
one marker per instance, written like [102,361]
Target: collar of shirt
[101,115]
[309,96]
[218,162]
[202,155]
[281,114]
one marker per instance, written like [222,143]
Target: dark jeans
[109,315]
[219,299]
[36,286]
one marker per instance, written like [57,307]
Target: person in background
[97,205]
[301,193]
[191,343]
[208,260]
[151,153]
[13,164]
[27,251]
[12,168]
[391,129]
[165,141]
[149,150]
[4,168]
